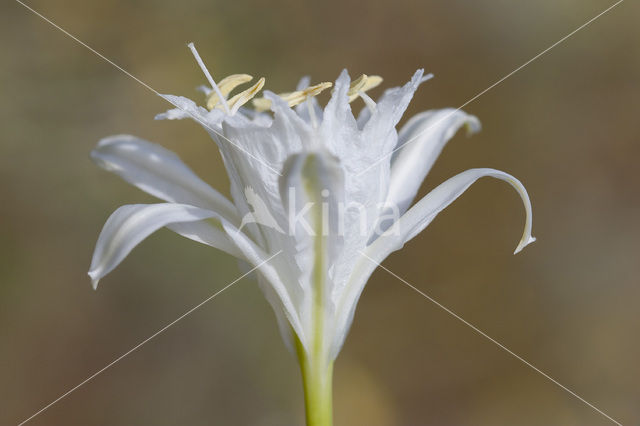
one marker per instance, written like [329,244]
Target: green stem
[317,377]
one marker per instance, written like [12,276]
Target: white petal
[131,224]
[304,82]
[312,188]
[209,232]
[366,112]
[419,216]
[263,119]
[408,226]
[204,89]
[159,172]
[292,122]
[369,185]
[379,130]
[338,127]
[419,144]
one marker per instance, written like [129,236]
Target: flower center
[217,97]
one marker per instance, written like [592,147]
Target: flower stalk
[317,378]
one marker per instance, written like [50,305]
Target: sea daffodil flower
[331,193]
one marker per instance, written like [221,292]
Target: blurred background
[566,125]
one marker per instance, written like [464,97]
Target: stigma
[217,98]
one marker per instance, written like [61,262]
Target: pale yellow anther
[245,96]
[293,98]
[226,85]
[362,84]
[261,104]
[357,85]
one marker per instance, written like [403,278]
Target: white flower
[316,184]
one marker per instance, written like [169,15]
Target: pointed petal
[419,216]
[370,156]
[159,172]
[365,113]
[380,128]
[420,142]
[184,108]
[408,226]
[204,89]
[305,81]
[129,225]
[338,127]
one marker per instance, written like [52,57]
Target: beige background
[566,125]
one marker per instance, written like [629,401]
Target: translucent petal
[129,225]
[420,142]
[419,216]
[159,172]
[408,226]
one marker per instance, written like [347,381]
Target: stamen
[370,103]
[362,84]
[293,98]
[226,86]
[355,86]
[299,96]
[261,104]
[245,96]
[372,81]
[208,75]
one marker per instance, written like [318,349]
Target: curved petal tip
[95,279]
[472,125]
[525,241]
